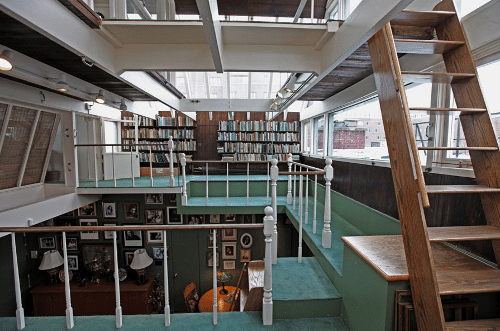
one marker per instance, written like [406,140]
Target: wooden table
[207,300]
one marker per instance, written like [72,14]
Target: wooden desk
[207,300]
[93,299]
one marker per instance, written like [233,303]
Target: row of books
[259,157]
[157,157]
[258,136]
[258,126]
[181,145]
[160,133]
[165,121]
[241,147]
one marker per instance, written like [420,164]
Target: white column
[327,233]
[306,215]
[267,192]
[165,279]
[301,189]
[150,166]
[118,310]
[95,167]
[214,272]
[289,193]
[248,182]
[70,322]
[274,184]
[171,151]
[315,201]
[19,311]
[184,186]
[294,185]
[227,183]
[113,161]
[206,186]
[267,301]
[132,166]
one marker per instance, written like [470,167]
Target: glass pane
[464,7]
[420,96]
[331,125]
[307,137]
[319,132]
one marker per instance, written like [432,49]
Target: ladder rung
[421,18]
[474,325]
[463,233]
[434,77]
[446,111]
[468,280]
[458,148]
[414,46]
[435,189]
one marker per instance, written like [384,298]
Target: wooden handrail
[126,145]
[307,166]
[305,173]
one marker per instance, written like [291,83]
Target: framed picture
[158,253]
[211,241]
[71,244]
[195,219]
[66,222]
[47,242]
[173,217]
[248,219]
[109,234]
[154,216]
[229,234]
[89,235]
[102,255]
[229,264]
[229,250]
[210,259]
[246,240]
[73,262]
[245,255]
[230,217]
[154,198]
[109,209]
[154,237]
[173,198]
[131,211]
[69,214]
[129,256]
[132,238]
[88,210]
[214,218]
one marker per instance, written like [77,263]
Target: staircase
[437,32]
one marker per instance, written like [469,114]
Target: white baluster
[306,216]
[248,182]
[150,166]
[301,188]
[206,188]
[315,201]
[132,166]
[327,233]
[227,183]
[113,161]
[267,193]
[171,151]
[294,185]
[184,186]
[20,310]
[214,271]
[274,184]
[118,310]
[267,301]
[165,279]
[289,193]
[95,167]
[70,322]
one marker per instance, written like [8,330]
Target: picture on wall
[229,264]
[246,240]
[98,256]
[248,219]
[66,222]
[89,235]
[229,234]
[154,216]
[158,253]
[196,219]
[229,250]
[230,217]
[129,256]
[210,259]
[88,210]
[109,234]
[155,237]
[131,211]
[214,218]
[71,244]
[47,242]
[109,209]
[173,217]
[245,255]
[154,198]
[211,241]
[172,198]
[132,238]
[73,262]
[70,213]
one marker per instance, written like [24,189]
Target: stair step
[435,189]
[414,46]
[421,18]
[434,77]
[474,325]
[458,148]
[467,282]
[461,233]
[446,111]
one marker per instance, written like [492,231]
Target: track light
[281,93]
[122,104]
[277,102]
[61,84]
[87,62]
[99,98]
[6,60]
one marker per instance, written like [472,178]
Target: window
[319,131]
[331,127]
[369,130]
[376,130]
[367,123]
[253,95]
[307,137]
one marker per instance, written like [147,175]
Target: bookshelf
[157,131]
[257,140]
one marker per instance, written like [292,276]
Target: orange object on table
[207,300]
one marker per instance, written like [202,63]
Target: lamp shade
[51,259]
[141,259]
[100,97]
[61,84]
[224,276]
[6,60]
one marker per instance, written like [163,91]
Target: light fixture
[51,261]
[87,62]
[281,93]
[140,262]
[223,276]
[6,60]
[277,102]
[99,98]
[122,104]
[61,84]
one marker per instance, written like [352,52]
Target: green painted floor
[179,322]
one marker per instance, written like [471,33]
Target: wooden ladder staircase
[427,283]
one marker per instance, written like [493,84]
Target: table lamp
[140,262]
[223,276]
[51,261]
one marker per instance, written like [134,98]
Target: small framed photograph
[211,241]
[154,216]
[214,218]
[229,264]
[66,222]
[129,256]
[89,235]
[154,237]
[210,259]
[132,238]
[248,219]
[245,255]
[158,253]
[100,254]
[229,250]
[72,262]
[47,242]
[173,217]
[246,240]
[230,217]
[109,234]
[109,209]
[172,198]
[154,198]
[131,211]
[88,210]
[71,244]
[195,219]
[229,234]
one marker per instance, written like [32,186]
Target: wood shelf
[436,189]
[447,111]
[413,46]
[462,233]
[421,18]
[434,77]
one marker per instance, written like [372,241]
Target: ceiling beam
[210,16]
[299,10]
[225,105]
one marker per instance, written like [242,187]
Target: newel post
[267,301]
[327,233]
[171,151]
[184,186]
[289,193]
[17,287]
[274,184]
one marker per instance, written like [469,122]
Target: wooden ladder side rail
[411,136]
[428,307]
[238,287]
[478,129]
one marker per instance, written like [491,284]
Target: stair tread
[415,46]
[474,325]
[458,148]
[469,281]
[459,233]
[421,18]
[461,189]
[434,77]
[448,110]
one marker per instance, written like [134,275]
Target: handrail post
[274,184]
[248,182]
[206,187]
[171,151]
[70,322]
[327,233]
[95,167]
[113,161]
[20,310]
[214,271]
[227,183]
[165,279]
[306,215]
[267,193]
[301,189]
[150,166]
[118,310]
[294,185]
[289,193]
[267,301]
[184,186]
[315,202]
[132,165]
